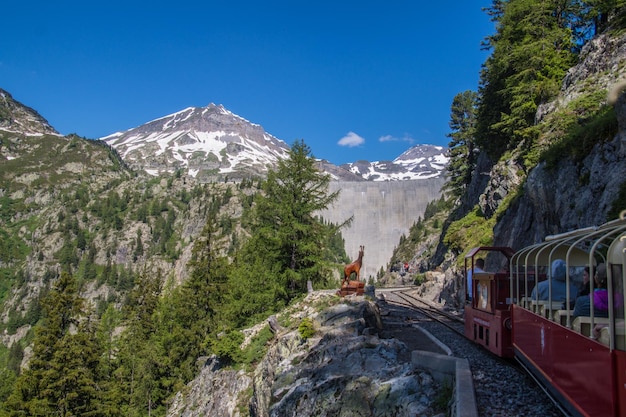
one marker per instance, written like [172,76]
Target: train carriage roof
[574,246]
[543,254]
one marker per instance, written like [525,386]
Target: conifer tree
[288,236]
[194,311]
[462,149]
[532,50]
[63,371]
[141,363]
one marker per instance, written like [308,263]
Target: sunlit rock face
[344,369]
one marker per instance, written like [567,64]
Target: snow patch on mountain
[212,142]
[417,163]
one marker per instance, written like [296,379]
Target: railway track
[454,322]
[502,387]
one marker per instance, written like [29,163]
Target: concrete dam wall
[383,211]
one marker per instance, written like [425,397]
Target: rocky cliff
[345,368]
[567,189]
[576,192]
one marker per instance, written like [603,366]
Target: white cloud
[389,138]
[351,140]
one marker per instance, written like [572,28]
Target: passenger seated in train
[585,286]
[558,283]
[600,297]
[479,266]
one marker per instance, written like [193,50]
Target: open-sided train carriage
[580,360]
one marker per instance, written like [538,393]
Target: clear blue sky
[353,79]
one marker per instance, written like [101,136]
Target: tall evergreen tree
[195,310]
[462,149]
[288,236]
[63,371]
[140,363]
[532,50]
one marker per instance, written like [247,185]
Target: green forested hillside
[119,282]
[518,117]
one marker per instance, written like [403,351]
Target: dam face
[383,212]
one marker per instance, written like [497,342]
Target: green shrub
[442,401]
[255,351]
[470,231]
[306,328]
[227,346]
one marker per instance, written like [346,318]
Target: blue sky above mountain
[354,80]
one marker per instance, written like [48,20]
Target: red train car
[487,306]
[578,356]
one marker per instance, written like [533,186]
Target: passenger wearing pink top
[600,297]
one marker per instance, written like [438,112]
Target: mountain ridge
[213,142]
[17,118]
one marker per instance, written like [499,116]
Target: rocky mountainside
[204,142]
[16,117]
[211,142]
[346,367]
[417,163]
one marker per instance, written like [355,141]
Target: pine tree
[462,149]
[63,371]
[532,50]
[288,235]
[134,387]
[194,311]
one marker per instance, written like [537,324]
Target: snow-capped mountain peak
[205,141]
[418,162]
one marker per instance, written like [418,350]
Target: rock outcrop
[344,368]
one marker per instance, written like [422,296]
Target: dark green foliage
[462,149]
[257,347]
[62,374]
[437,206]
[255,291]
[14,360]
[137,371]
[286,234]
[226,346]
[532,50]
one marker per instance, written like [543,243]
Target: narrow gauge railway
[501,388]
[404,298]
